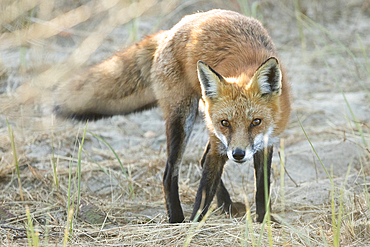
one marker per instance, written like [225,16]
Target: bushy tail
[117,86]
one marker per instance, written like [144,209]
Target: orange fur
[240,79]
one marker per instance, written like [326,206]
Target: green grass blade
[364,54]
[267,196]
[70,203]
[79,169]
[69,206]
[366,60]
[306,239]
[365,183]
[314,150]
[248,225]
[244,7]
[12,142]
[335,39]
[53,162]
[28,228]
[309,22]
[114,152]
[101,168]
[67,231]
[323,238]
[282,181]
[333,220]
[47,230]
[34,236]
[347,103]
[131,187]
[195,225]
[340,212]
[267,218]
[298,15]
[362,169]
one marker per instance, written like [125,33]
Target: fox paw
[276,222]
[237,209]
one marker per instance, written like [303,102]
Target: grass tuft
[68,229]
[79,169]
[11,136]
[248,226]
[131,187]
[195,225]
[32,236]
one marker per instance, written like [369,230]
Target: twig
[20,236]
[12,227]
[288,172]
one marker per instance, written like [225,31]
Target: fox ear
[268,78]
[209,80]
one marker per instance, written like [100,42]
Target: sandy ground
[326,60]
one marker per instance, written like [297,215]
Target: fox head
[242,112]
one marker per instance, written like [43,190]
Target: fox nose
[238,154]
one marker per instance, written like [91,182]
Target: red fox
[246,100]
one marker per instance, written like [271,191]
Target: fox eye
[256,122]
[225,123]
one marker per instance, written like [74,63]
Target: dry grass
[43,42]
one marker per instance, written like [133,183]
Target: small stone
[149,134]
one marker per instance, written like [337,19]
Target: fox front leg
[213,164]
[223,197]
[259,164]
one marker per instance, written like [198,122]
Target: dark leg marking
[178,129]
[212,165]
[260,183]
